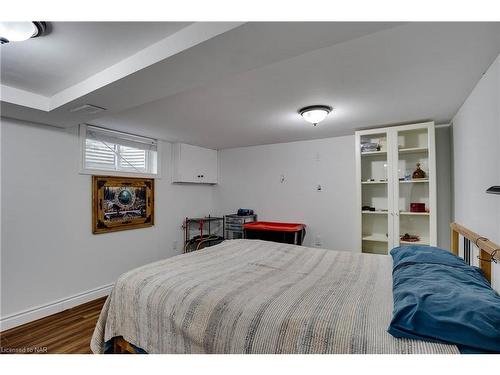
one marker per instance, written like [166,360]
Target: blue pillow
[424,254]
[438,297]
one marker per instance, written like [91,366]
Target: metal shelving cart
[209,232]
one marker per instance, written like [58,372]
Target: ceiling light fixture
[315,113]
[19,31]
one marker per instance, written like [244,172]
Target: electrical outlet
[319,188]
[317,241]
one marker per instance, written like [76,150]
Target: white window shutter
[109,150]
[99,156]
[132,159]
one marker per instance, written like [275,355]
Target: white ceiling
[73,51]
[244,86]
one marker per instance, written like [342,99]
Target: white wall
[250,177]
[48,251]
[476,151]
[443,182]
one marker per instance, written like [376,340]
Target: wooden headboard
[489,251]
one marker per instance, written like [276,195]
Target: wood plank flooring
[69,331]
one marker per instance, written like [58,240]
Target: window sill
[103,172]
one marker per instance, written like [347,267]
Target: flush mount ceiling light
[315,113]
[19,31]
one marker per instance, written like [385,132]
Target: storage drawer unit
[233,225]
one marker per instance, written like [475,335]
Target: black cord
[480,238]
[492,257]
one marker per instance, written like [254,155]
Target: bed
[252,296]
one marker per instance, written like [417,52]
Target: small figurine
[418,173]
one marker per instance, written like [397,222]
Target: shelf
[413,150]
[414,213]
[420,180]
[375,238]
[375,250]
[373,153]
[207,218]
[407,213]
[373,182]
[424,242]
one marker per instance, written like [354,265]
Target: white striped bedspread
[251,296]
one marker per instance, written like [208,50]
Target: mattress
[252,296]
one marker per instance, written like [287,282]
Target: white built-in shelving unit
[384,184]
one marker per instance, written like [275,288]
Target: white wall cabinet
[193,164]
[386,189]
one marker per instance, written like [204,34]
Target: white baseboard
[29,315]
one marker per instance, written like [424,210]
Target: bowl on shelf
[409,238]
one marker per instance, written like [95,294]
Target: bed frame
[489,252]
[122,346]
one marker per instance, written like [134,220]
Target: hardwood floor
[69,331]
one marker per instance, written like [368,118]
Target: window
[117,153]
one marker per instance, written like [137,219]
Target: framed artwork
[121,203]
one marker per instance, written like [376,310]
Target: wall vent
[87,109]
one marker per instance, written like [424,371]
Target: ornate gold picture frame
[121,203]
